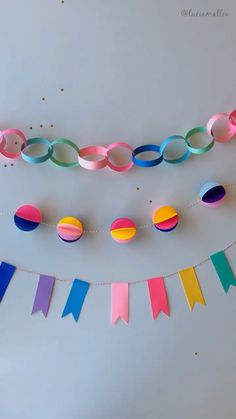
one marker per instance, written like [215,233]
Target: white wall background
[133,71]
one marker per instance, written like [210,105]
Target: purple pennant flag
[43,294]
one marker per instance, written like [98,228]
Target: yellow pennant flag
[191,287]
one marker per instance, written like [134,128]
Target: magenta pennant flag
[158,296]
[120,302]
[43,294]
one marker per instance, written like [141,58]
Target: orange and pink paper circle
[70,229]
[123,230]
[165,218]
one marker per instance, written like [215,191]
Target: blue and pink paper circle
[27,217]
[212,194]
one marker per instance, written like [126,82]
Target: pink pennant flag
[120,302]
[158,296]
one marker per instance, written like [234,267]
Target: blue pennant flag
[76,298]
[6,274]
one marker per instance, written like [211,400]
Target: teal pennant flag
[223,270]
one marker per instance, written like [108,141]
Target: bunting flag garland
[191,287]
[43,294]
[158,296]
[76,298]
[120,302]
[223,269]
[120,290]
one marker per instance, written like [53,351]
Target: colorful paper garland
[84,155]
[120,290]
[165,218]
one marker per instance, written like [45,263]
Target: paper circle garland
[70,229]
[165,218]
[212,194]
[27,217]
[123,230]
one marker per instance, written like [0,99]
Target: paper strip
[76,298]
[120,302]
[6,274]
[43,294]
[223,269]
[158,296]
[191,287]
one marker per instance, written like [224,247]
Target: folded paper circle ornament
[123,230]
[70,229]
[27,217]
[232,118]
[165,218]
[212,194]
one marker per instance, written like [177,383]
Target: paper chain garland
[102,154]
[120,290]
